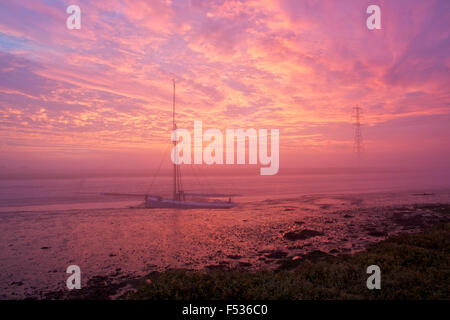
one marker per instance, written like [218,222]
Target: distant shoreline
[225,170]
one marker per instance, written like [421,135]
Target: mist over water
[76,193]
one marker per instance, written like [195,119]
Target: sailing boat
[179,196]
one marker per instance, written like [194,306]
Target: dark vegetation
[413,266]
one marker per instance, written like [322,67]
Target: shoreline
[422,235]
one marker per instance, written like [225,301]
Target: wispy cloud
[295,65]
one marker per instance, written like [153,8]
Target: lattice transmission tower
[358,146]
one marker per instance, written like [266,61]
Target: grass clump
[413,266]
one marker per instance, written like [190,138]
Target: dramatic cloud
[296,65]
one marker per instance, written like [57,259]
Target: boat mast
[174,145]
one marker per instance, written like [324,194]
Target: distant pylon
[358,146]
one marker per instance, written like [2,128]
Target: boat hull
[154,202]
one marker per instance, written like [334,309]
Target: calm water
[46,225]
[35,195]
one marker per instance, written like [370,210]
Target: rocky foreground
[414,264]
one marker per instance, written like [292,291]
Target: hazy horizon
[230,170]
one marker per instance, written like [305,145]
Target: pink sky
[100,97]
